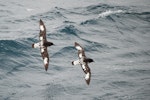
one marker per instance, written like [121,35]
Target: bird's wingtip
[46,67]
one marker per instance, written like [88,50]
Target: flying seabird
[83,61]
[43,44]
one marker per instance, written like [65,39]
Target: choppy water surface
[116,34]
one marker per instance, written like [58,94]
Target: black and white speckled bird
[43,44]
[83,61]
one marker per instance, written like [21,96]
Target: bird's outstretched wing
[43,49]
[87,72]
[81,53]
[36,45]
[84,65]
[45,57]
[42,34]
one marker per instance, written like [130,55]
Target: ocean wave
[30,9]
[135,72]
[49,15]
[94,46]
[53,91]
[11,47]
[14,54]
[110,12]
[95,9]
[143,16]
[122,84]
[70,30]
[64,51]
[135,54]
[90,22]
[121,60]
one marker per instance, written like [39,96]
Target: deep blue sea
[115,33]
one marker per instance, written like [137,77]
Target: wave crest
[110,12]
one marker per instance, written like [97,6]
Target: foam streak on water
[114,33]
[109,12]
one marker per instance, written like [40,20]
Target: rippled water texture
[115,33]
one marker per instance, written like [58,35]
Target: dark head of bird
[48,44]
[89,60]
[32,45]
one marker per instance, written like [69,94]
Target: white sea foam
[110,12]
[29,9]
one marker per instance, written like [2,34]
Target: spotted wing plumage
[45,57]
[87,74]
[43,49]
[42,34]
[84,65]
[80,50]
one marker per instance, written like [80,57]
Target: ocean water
[115,33]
